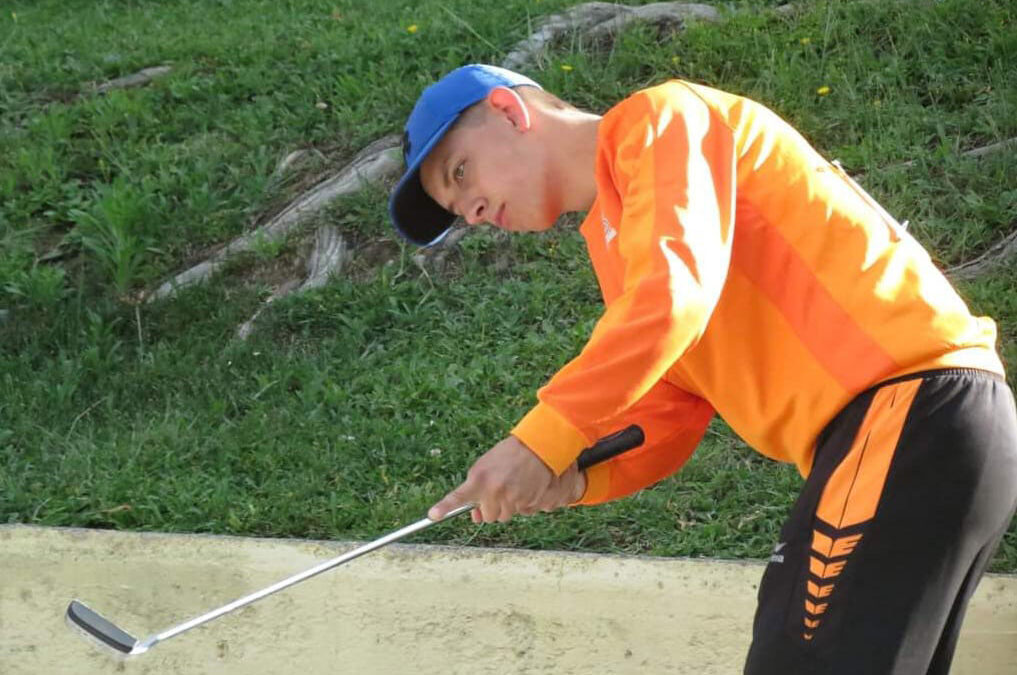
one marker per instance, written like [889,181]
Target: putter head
[102,631]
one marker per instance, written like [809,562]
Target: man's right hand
[511,479]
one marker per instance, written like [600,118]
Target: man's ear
[509,104]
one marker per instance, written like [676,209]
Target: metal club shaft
[111,635]
[421,524]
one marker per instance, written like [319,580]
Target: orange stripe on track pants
[852,492]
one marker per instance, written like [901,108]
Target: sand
[404,609]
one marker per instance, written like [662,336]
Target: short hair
[545,97]
[476,112]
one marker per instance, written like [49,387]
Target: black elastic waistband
[973,373]
[932,373]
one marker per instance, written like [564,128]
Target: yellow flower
[806,40]
[412,29]
[566,67]
[823,91]
[675,59]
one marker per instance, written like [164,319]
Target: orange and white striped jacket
[742,274]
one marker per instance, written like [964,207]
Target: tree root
[600,19]
[138,79]
[328,258]
[381,160]
[378,161]
[998,255]
[990,149]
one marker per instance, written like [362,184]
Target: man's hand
[509,479]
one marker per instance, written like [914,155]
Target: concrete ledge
[419,609]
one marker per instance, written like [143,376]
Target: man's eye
[460,171]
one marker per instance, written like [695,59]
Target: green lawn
[354,407]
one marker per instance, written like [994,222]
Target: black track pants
[913,486]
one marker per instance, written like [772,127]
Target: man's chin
[541,227]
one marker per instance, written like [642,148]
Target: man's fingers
[487,511]
[506,480]
[495,504]
[452,500]
[495,511]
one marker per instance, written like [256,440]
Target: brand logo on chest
[609,232]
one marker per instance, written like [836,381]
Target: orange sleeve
[671,163]
[673,422]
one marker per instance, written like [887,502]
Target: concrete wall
[404,609]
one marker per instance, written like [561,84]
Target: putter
[107,634]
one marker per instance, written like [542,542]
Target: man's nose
[476,212]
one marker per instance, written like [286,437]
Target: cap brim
[415,215]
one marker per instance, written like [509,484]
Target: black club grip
[609,446]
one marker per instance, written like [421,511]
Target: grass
[354,407]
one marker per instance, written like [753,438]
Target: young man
[742,275]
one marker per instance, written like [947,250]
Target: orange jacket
[744,274]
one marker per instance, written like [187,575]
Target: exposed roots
[992,148]
[138,79]
[328,258]
[601,19]
[1000,254]
[379,161]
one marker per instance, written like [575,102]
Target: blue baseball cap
[415,215]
